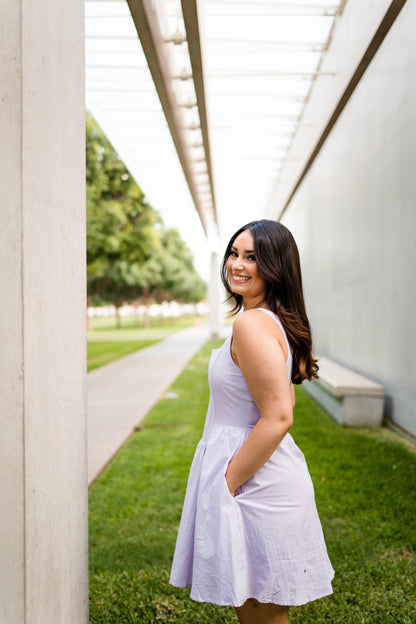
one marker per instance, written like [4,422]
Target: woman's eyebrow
[247,251]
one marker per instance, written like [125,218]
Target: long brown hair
[278,263]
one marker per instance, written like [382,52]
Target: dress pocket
[238,491]
[226,487]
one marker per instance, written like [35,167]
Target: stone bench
[350,398]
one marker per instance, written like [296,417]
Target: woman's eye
[253,258]
[233,254]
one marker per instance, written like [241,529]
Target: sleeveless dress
[267,541]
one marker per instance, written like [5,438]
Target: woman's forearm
[259,446]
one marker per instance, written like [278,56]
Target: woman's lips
[240,279]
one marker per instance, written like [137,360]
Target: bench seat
[349,397]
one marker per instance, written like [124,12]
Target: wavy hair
[278,263]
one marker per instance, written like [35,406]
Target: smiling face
[243,275]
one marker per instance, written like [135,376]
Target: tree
[131,257]
[120,223]
[180,281]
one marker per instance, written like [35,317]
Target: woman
[250,535]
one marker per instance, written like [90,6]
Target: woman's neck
[250,304]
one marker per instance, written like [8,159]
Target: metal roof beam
[190,18]
[156,51]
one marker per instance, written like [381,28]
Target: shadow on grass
[364,484]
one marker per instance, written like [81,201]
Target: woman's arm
[258,347]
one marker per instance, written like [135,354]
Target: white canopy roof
[260,59]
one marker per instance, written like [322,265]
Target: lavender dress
[267,542]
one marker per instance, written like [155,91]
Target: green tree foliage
[180,282]
[130,256]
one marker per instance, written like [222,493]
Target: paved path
[122,393]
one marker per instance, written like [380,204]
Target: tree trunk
[118,318]
[136,315]
[146,316]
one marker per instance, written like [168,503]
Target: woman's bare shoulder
[255,321]
[254,329]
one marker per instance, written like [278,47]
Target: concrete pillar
[43,460]
[214,297]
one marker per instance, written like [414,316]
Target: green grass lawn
[106,342]
[365,483]
[102,352]
[105,328]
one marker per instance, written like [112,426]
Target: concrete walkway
[122,393]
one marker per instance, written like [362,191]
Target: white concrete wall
[354,218]
[43,462]
[352,33]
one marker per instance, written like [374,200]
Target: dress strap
[279,323]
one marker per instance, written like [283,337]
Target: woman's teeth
[240,279]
